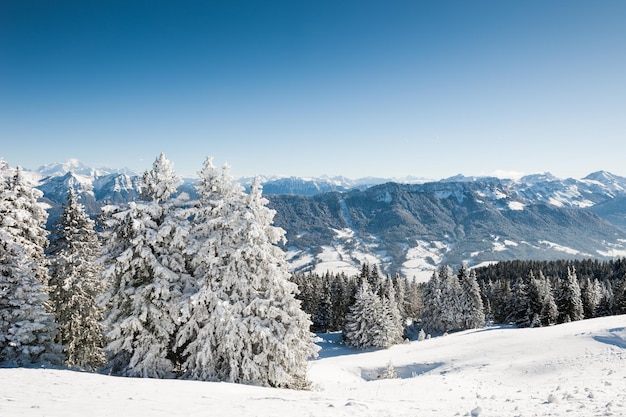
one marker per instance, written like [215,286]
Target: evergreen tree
[394,323]
[620,296]
[323,314]
[75,284]
[549,310]
[413,300]
[452,316]
[243,323]
[590,296]
[27,329]
[144,242]
[342,295]
[606,306]
[365,325]
[471,300]
[432,310]
[519,305]
[501,290]
[569,300]
[542,308]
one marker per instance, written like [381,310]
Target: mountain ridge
[335,223]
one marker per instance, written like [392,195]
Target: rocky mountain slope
[411,228]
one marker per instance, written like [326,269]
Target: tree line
[367,307]
[171,287]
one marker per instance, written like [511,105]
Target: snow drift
[575,369]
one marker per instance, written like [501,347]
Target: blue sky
[306,88]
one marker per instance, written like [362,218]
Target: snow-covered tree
[590,296]
[395,327]
[243,322]
[518,308]
[606,306]
[541,301]
[27,328]
[144,242]
[471,300]
[451,311]
[432,309]
[367,324]
[75,284]
[569,300]
[323,314]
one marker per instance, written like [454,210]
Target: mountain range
[409,225]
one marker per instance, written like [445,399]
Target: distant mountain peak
[75,166]
[602,176]
[538,177]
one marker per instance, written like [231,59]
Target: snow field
[574,369]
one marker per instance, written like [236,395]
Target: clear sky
[306,88]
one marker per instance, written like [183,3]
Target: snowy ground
[577,369]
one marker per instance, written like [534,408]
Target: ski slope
[575,369]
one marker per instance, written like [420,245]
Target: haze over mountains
[408,225]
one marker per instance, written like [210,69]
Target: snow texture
[580,370]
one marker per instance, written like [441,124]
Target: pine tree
[471,300]
[606,306]
[75,284]
[519,312]
[569,300]
[620,296]
[590,296]
[323,314]
[432,310]
[394,324]
[452,310]
[197,336]
[541,301]
[365,327]
[501,290]
[280,343]
[27,329]
[243,323]
[144,242]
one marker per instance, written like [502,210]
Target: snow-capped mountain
[411,226]
[412,229]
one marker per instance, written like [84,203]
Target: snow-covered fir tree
[471,300]
[606,306]
[243,323]
[543,309]
[590,294]
[322,319]
[395,326]
[75,284]
[569,299]
[432,309]
[364,326]
[518,307]
[27,328]
[451,310]
[144,243]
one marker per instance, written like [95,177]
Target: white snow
[561,248]
[613,253]
[575,369]
[615,250]
[334,261]
[483,264]
[516,206]
[423,259]
[501,245]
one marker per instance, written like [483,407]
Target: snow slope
[576,369]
